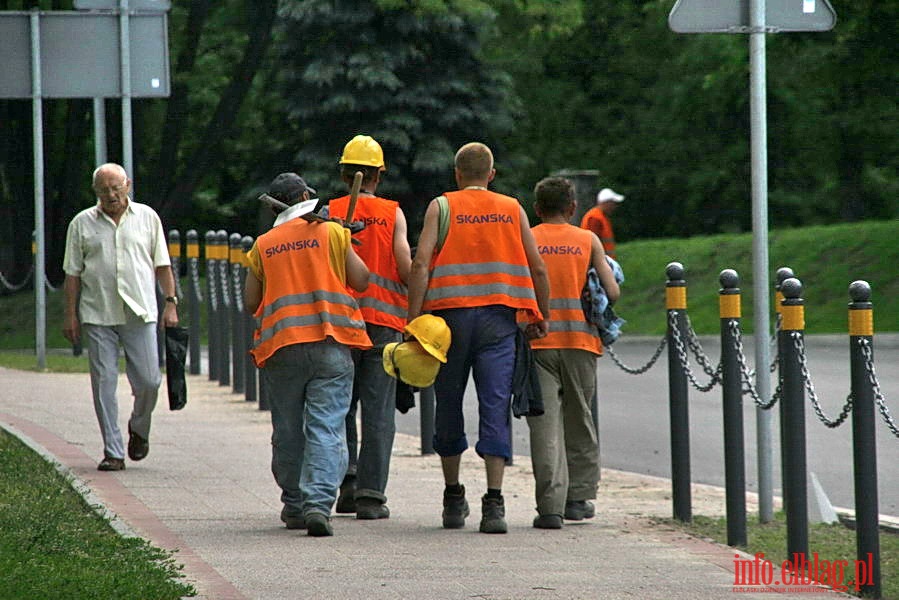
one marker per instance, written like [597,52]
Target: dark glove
[405,396]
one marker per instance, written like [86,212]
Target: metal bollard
[676,305]
[175,257]
[193,299]
[235,261]
[793,430]
[426,419]
[224,313]
[732,402]
[864,446]
[212,304]
[249,326]
[780,276]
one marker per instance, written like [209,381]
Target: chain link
[878,395]
[236,287]
[746,375]
[684,360]
[7,286]
[810,387]
[194,267]
[644,368]
[696,347]
[224,284]
[211,278]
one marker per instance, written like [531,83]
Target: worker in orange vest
[564,442]
[597,219]
[476,265]
[308,322]
[384,248]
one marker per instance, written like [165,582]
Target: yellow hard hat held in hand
[432,333]
[417,362]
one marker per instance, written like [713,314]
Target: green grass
[826,259]
[52,545]
[831,542]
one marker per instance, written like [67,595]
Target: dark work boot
[455,509]
[578,510]
[493,515]
[346,501]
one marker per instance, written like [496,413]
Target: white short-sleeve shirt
[116,263]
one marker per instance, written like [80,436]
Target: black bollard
[194,297]
[732,403]
[864,446]
[249,326]
[212,304]
[235,263]
[793,399]
[676,305]
[224,312]
[780,276]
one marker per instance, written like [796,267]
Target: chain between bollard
[810,387]
[682,357]
[696,347]
[747,375]
[644,368]
[9,287]
[875,385]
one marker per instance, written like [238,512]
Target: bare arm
[71,326]
[252,292]
[419,274]
[401,251]
[606,277]
[538,271]
[166,280]
[356,270]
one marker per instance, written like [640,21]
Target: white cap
[607,194]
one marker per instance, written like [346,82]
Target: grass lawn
[831,542]
[52,545]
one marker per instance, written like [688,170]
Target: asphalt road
[634,423]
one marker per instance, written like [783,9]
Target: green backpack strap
[443,219]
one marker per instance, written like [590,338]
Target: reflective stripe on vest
[384,302]
[483,226]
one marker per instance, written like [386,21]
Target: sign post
[757,17]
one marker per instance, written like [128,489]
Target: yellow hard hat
[409,362]
[432,333]
[363,150]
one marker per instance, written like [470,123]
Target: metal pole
[759,149]
[732,401]
[194,299]
[782,275]
[99,131]
[37,117]
[125,52]
[793,397]
[864,446]
[676,305]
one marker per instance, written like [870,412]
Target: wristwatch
[172,299]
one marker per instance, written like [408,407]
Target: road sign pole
[125,48]
[99,131]
[759,150]
[37,118]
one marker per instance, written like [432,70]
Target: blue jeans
[310,386]
[375,390]
[483,341]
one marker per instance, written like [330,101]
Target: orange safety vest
[596,221]
[384,302]
[482,261]
[303,299]
[567,251]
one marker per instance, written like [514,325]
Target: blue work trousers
[483,344]
[309,388]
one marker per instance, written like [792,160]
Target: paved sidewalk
[206,491]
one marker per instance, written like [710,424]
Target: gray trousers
[564,443]
[138,339]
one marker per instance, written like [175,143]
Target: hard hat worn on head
[432,333]
[363,150]
[410,363]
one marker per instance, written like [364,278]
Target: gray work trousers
[564,443]
[139,341]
